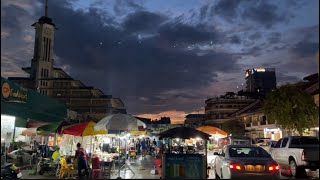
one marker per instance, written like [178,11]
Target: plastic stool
[96,174]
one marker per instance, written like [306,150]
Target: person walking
[138,147]
[143,148]
[81,156]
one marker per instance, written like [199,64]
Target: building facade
[260,80]
[218,110]
[257,125]
[45,78]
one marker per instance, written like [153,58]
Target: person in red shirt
[81,155]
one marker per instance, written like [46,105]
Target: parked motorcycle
[47,165]
[10,171]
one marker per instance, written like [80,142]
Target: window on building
[44,49]
[264,118]
[49,47]
[41,72]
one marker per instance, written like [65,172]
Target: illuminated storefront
[274,133]
[7,128]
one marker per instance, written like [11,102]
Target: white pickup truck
[297,153]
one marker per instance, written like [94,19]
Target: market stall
[25,108]
[180,164]
[215,133]
[121,124]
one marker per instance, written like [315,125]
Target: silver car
[237,161]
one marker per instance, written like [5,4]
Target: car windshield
[248,152]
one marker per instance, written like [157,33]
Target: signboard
[184,166]
[13,93]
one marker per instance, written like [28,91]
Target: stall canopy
[28,104]
[82,129]
[116,123]
[54,127]
[184,133]
[212,130]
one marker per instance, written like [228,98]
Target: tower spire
[46,9]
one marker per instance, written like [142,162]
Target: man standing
[81,155]
[143,147]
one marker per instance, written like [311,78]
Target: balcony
[255,123]
[263,122]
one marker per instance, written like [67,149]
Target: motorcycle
[47,165]
[10,171]
[152,151]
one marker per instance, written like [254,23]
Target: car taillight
[234,166]
[273,168]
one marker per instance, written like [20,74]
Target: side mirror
[215,153]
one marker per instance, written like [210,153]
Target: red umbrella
[82,129]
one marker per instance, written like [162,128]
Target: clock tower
[42,62]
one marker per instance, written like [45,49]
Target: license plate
[254,168]
[19,175]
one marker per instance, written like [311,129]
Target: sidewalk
[141,168]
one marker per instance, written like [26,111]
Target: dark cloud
[227,9]
[123,65]
[265,14]
[204,11]
[283,77]
[187,34]
[274,38]
[255,36]
[143,21]
[121,6]
[254,51]
[305,49]
[11,18]
[235,39]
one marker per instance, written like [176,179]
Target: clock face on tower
[47,31]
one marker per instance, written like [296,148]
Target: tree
[291,108]
[233,127]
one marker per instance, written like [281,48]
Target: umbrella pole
[119,158]
[206,159]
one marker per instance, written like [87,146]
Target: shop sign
[14,94]
[271,130]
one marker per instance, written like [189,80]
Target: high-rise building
[55,82]
[260,80]
[218,109]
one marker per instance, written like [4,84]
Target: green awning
[29,104]
[54,127]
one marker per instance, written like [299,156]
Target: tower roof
[45,19]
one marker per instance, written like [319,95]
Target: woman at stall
[81,156]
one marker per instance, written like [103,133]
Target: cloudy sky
[164,58]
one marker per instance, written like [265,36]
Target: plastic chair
[65,168]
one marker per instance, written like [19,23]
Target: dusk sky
[166,57]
